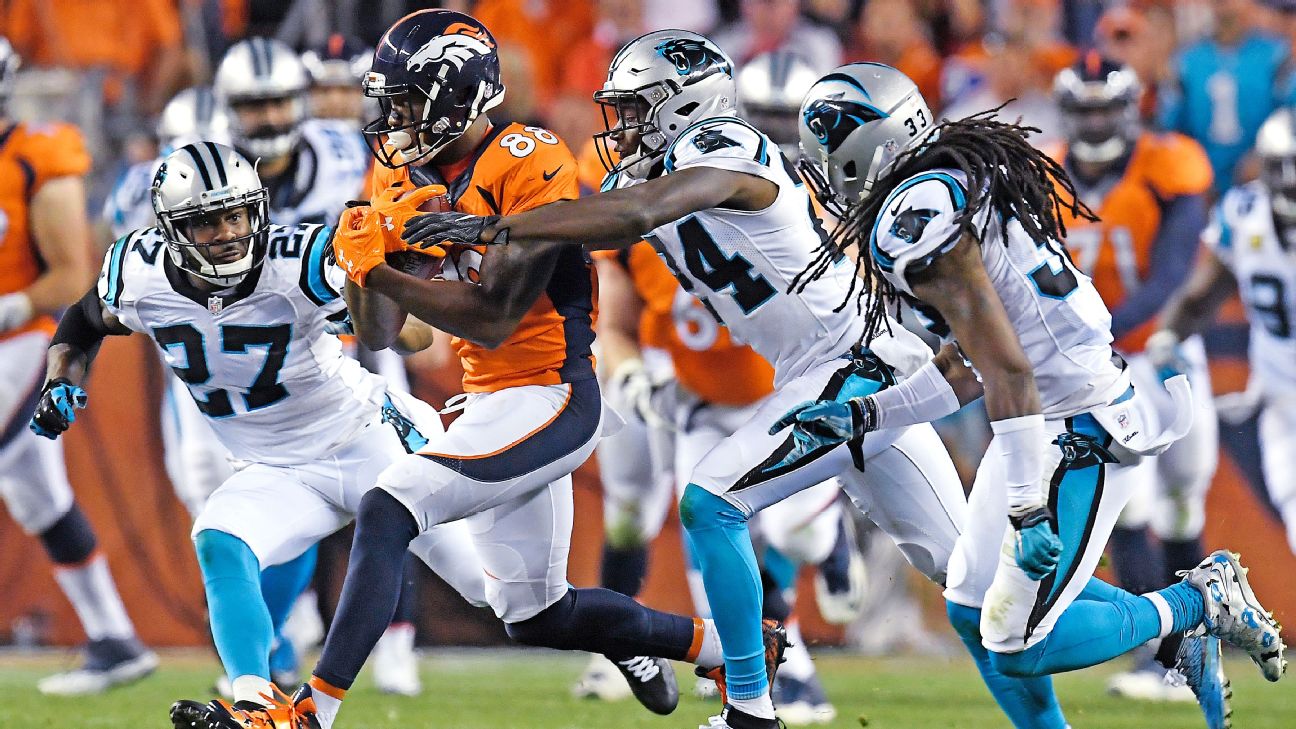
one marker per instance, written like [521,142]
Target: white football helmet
[770,89]
[658,85]
[1276,148]
[190,116]
[855,122]
[257,69]
[200,179]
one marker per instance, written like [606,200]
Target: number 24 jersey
[275,387]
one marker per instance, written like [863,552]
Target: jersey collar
[430,174]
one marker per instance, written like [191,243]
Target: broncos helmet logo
[454,48]
[832,120]
[691,56]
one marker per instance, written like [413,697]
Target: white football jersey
[332,165]
[274,386]
[130,204]
[1062,324]
[741,264]
[1243,237]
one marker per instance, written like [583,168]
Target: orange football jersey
[517,168]
[30,155]
[708,362]
[1116,251]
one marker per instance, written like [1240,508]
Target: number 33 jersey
[740,264]
[275,387]
[1059,318]
[1242,235]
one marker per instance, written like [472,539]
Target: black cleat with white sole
[652,680]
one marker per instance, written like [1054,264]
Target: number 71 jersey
[741,264]
[275,387]
[1058,316]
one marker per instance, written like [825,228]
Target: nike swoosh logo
[637,70]
[896,210]
[550,175]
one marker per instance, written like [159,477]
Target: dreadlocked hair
[1004,172]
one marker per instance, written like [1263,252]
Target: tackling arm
[76,342]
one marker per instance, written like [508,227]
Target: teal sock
[781,568]
[1029,703]
[717,532]
[240,623]
[1087,633]
[1186,606]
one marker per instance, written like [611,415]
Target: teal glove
[57,408]
[1038,548]
[825,422]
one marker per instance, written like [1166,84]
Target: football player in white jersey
[239,309]
[1249,251]
[960,220]
[728,214]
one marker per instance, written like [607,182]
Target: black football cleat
[186,714]
[652,681]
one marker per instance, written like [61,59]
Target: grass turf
[530,690]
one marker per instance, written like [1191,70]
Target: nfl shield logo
[215,304]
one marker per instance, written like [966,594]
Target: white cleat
[706,689]
[802,703]
[601,680]
[394,662]
[1148,685]
[1234,615]
[109,662]
[842,608]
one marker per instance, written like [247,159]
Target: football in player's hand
[419,264]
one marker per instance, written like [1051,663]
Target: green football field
[529,690]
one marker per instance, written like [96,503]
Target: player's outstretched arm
[73,348]
[957,285]
[614,219]
[1193,308]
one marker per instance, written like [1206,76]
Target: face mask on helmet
[1099,104]
[412,126]
[1278,173]
[630,142]
[267,127]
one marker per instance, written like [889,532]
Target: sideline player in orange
[1150,191]
[522,324]
[45,266]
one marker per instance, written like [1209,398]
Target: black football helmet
[1099,101]
[434,73]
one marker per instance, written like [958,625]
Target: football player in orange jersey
[522,324]
[1150,191]
[44,266]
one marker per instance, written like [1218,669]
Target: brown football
[417,264]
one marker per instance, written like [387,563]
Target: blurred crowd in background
[110,65]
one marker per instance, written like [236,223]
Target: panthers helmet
[9,63]
[1099,103]
[1276,148]
[434,73]
[198,180]
[658,85]
[259,69]
[341,61]
[855,122]
[770,89]
[190,116]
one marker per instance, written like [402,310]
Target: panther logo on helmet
[691,56]
[456,47]
[832,120]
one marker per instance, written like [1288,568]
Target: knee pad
[550,628]
[701,509]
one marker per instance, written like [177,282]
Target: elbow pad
[922,397]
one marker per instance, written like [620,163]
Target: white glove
[15,310]
[634,388]
[1165,354]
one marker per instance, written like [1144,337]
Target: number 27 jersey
[740,263]
[275,387]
